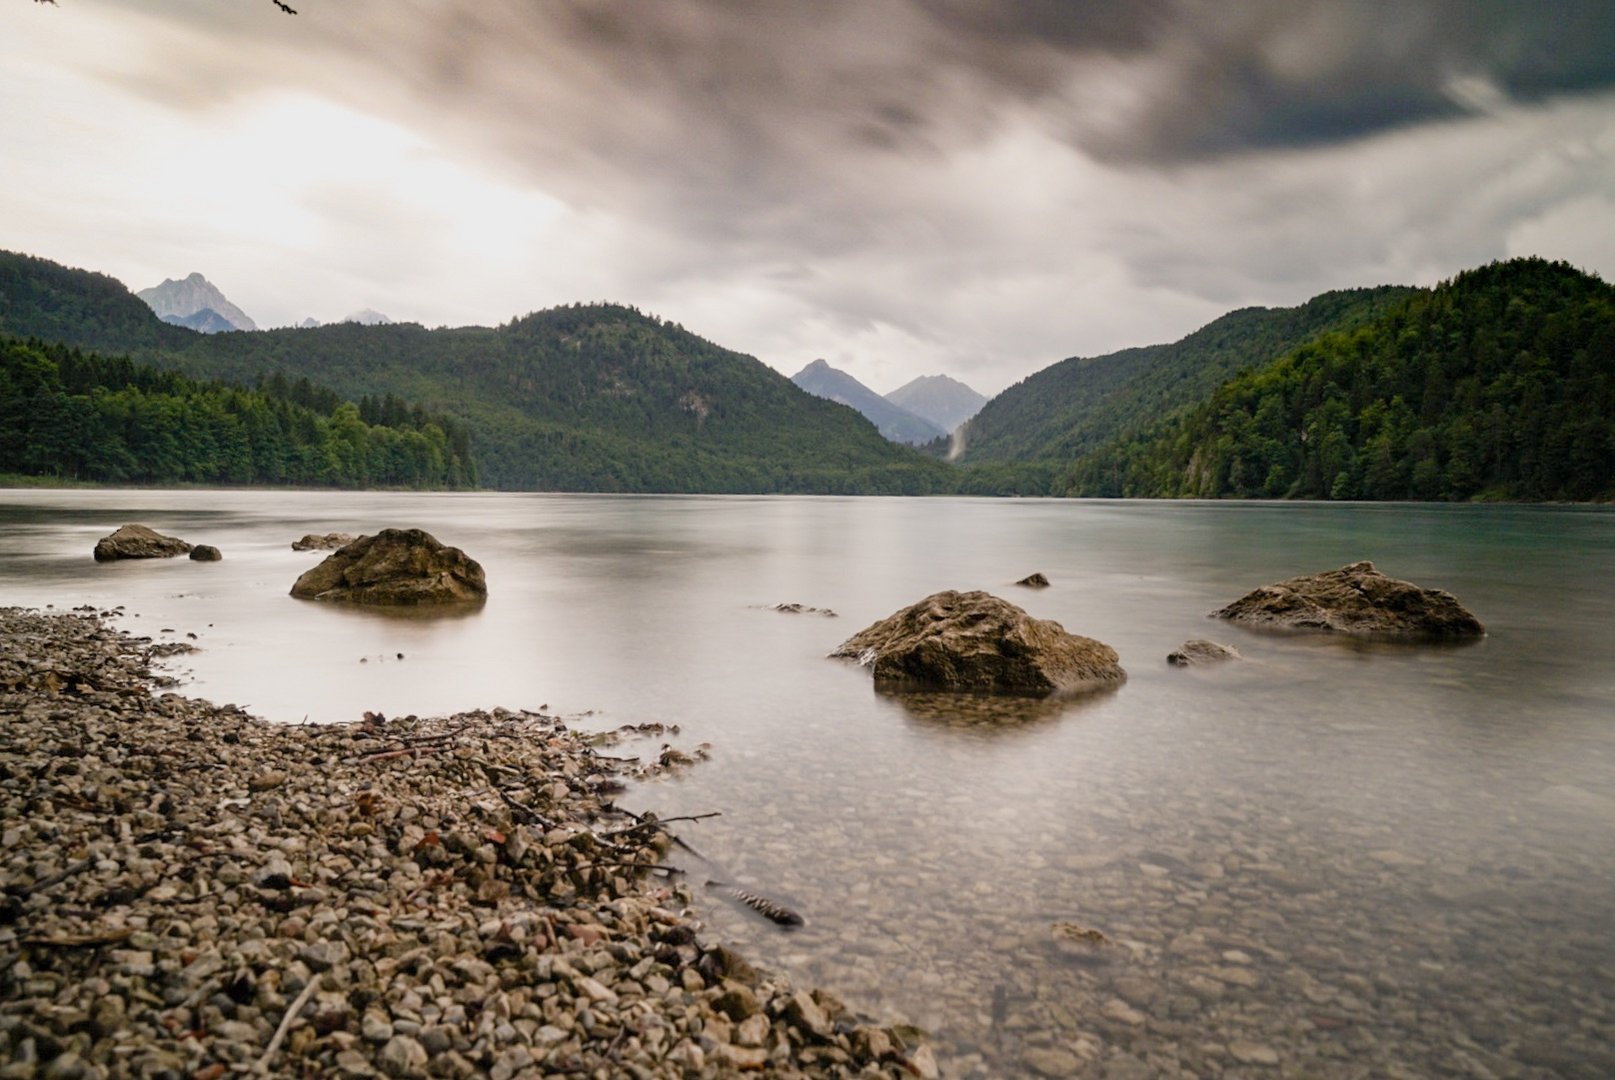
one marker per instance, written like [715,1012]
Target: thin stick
[286,1025]
[659,822]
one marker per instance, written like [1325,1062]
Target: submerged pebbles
[189,892]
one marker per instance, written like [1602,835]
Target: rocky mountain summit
[892,421]
[178,301]
[944,401]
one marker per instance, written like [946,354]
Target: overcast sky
[900,187]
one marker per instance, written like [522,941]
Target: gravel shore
[189,892]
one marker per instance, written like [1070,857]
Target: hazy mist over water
[1406,850]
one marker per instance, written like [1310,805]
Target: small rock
[1034,581]
[403,1057]
[267,781]
[206,553]
[1249,1053]
[1201,651]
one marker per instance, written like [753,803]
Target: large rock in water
[138,542]
[974,642]
[395,566]
[1356,599]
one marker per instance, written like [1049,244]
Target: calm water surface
[1332,859]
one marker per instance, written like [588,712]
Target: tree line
[73,415]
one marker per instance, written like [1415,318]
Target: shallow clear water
[1344,859]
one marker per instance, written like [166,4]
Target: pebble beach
[191,892]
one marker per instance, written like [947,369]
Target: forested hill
[70,415]
[45,300]
[1077,405]
[1499,384]
[593,397]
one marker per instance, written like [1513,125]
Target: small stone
[403,1057]
[737,1001]
[206,553]
[375,1026]
[1118,1010]
[1249,1053]
[1051,1062]
[324,955]
[594,990]
[922,1063]
[267,781]
[805,1014]
[274,874]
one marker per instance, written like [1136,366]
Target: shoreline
[192,892]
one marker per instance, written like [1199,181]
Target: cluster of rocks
[974,642]
[187,891]
[141,542]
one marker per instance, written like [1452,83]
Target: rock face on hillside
[138,542]
[323,541]
[973,642]
[395,567]
[195,294]
[1356,599]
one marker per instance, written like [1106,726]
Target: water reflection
[986,714]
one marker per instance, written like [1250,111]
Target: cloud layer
[900,186]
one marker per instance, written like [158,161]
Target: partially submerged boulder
[138,542]
[206,553]
[1034,581]
[1356,599]
[1200,651]
[395,566]
[973,642]
[323,541]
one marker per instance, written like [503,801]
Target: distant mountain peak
[178,301]
[944,401]
[893,421]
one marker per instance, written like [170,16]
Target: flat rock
[138,542]
[1199,651]
[973,642]
[323,541]
[395,567]
[1356,599]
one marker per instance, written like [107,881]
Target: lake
[1333,858]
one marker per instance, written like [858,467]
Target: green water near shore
[1354,857]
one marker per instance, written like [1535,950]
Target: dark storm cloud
[766,89]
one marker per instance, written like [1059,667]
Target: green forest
[80,416]
[1498,385]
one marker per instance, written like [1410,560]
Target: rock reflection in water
[987,712]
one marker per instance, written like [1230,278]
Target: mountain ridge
[190,296]
[941,399]
[893,421]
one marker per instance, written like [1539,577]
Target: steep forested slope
[592,397]
[1499,384]
[1076,405]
